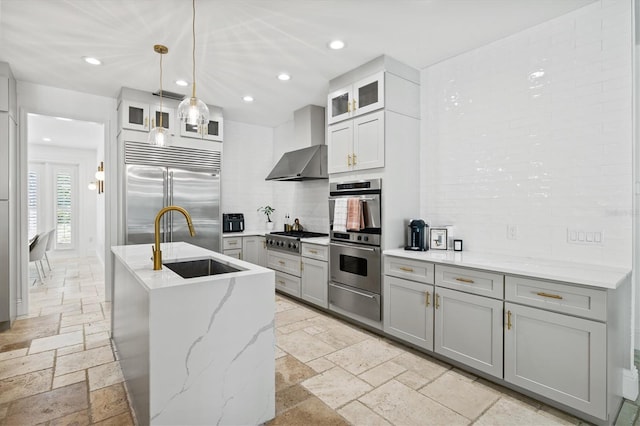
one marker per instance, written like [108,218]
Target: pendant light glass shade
[192,110]
[160,136]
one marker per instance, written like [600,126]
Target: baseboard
[630,384]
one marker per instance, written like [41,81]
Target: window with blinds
[32,203]
[63,208]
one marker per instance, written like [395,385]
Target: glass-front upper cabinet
[134,115]
[212,132]
[167,117]
[359,98]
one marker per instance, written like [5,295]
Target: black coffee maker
[417,235]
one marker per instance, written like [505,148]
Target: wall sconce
[99,184]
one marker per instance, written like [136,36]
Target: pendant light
[192,110]
[159,135]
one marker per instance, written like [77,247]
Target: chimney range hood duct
[307,163]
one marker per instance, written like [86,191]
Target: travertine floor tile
[290,397]
[108,402]
[359,414]
[293,315]
[508,411]
[26,364]
[341,336]
[70,349]
[382,373]
[558,416]
[310,412]
[69,379]
[362,356]
[79,418]
[13,354]
[48,405]
[320,364]
[53,342]
[280,353]
[423,365]
[96,340]
[123,419]
[81,360]
[68,320]
[290,371]
[454,391]
[25,385]
[104,375]
[402,405]
[412,379]
[303,346]
[336,387]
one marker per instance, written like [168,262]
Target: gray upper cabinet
[557,356]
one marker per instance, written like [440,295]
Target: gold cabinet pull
[232,243]
[153,122]
[146,122]
[313,251]
[465,280]
[348,159]
[281,282]
[406,269]
[348,106]
[281,262]
[354,159]
[354,105]
[508,320]
[427,299]
[437,300]
[552,296]
[301,266]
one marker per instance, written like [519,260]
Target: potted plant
[267,210]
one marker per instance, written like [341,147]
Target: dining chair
[50,241]
[36,251]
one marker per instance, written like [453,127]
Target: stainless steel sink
[200,268]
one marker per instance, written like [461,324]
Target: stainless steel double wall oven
[355,285]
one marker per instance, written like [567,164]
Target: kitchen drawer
[235,253]
[283,262]
[232,243]
[315,251]
[470,281]
[414,270]
[559,297]
[288,284]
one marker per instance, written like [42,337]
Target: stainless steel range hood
[310,162]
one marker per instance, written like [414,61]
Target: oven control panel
[356,237]
[286,245]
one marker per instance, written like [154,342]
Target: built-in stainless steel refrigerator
[157,177]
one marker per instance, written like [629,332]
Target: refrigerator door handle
[170,215]
[165,220]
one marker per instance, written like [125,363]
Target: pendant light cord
[161,55]
[193,52]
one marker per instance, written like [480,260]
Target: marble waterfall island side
[198,350]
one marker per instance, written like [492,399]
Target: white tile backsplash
[535,130]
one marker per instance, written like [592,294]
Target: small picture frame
[457,245]
[438,238]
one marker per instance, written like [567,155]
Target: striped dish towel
[355,217]
[340,215]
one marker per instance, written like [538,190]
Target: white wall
[246,161]
[504,144]
[86,200]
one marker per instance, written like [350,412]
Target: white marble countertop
[322,241]
[138,259]
[604,277]
[245,234]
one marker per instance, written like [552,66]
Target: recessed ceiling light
[46,139]
[91,60]
[336,44]
[182,83]
[248,98]
[284,77]
[63,119]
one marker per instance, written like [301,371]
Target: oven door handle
[360,197]
[370,296]
[354,246]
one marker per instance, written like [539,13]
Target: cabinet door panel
[5,122]
[339,105]
[557,356]
[340,141]
[315,282]
[288,283]
[468,328]
[235,253]
[134,115]
[368,94]
[408,311]
[368,141]
[254,250]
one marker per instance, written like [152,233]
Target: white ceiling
[64,132]
[241,45]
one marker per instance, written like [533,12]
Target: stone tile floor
[57,367]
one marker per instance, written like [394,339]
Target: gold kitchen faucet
[157,253]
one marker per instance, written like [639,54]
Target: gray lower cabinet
[254,250]
[468,329]
[408,311]
[314,282]
[557,356]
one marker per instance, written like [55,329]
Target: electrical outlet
[583,236]
[512,232]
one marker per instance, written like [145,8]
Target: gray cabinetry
[315,274]
[468,329]
[254,250]
[408,311]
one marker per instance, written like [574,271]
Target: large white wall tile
[535,130]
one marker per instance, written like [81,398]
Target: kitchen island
[197,350]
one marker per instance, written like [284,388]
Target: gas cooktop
[288,241]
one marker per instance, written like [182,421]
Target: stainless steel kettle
[296,225]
